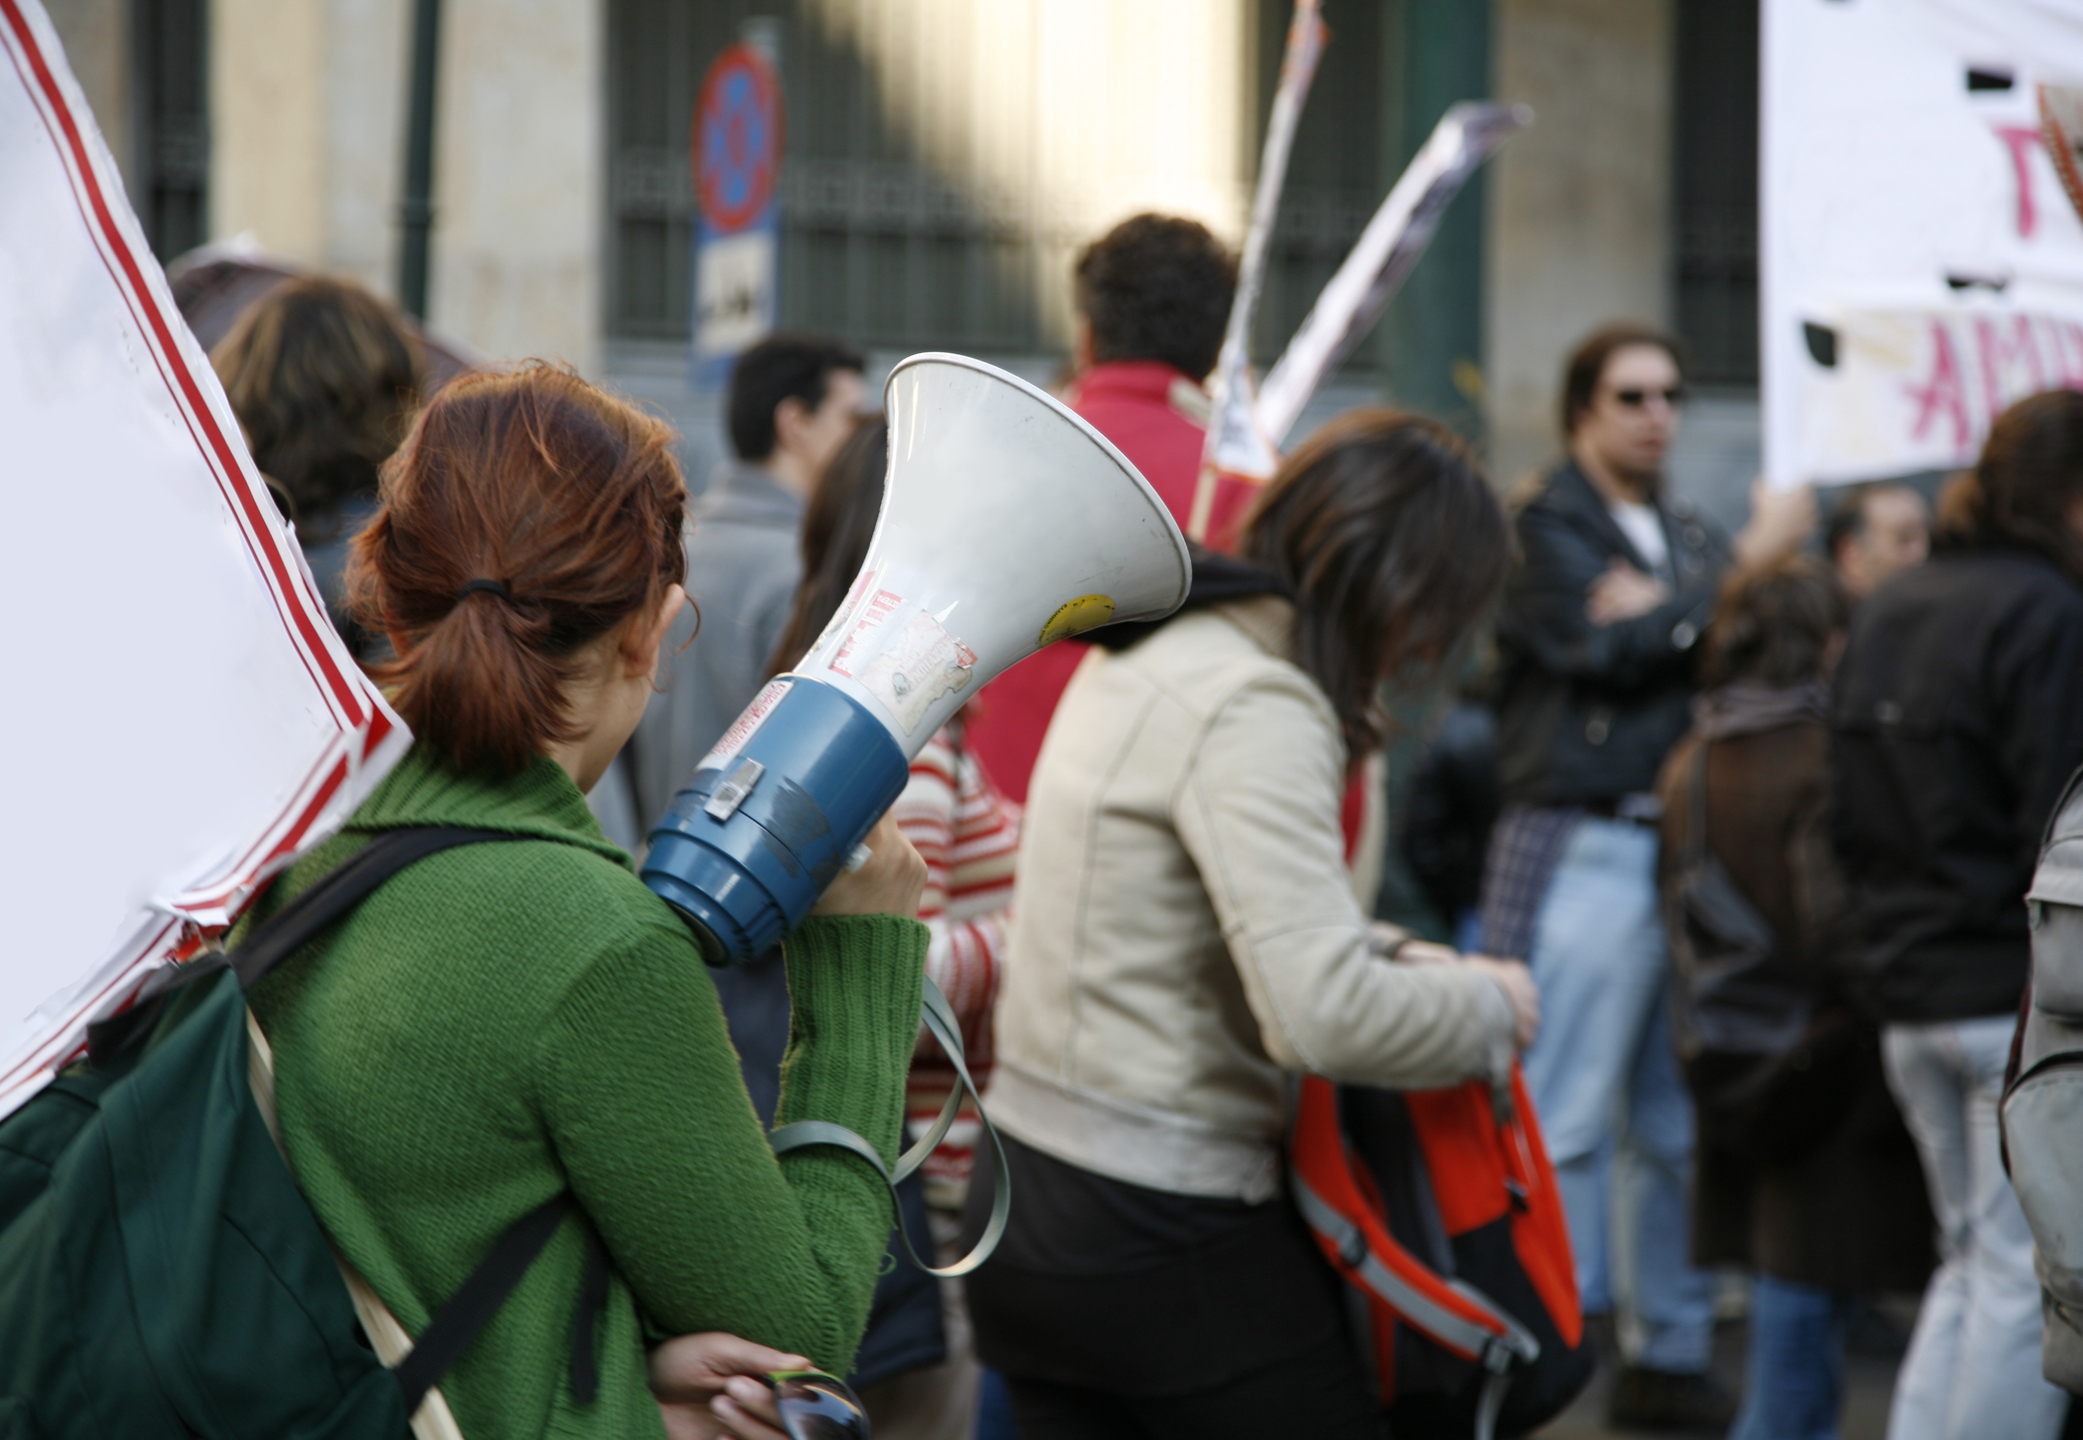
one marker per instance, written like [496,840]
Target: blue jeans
[1973,1367]
[1794,1382]
[1606,1084]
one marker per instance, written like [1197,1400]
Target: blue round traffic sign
[737,139]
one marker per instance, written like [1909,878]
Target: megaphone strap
[939,1019]
[940,1022]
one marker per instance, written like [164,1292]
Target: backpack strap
[282,934]
[466,1313]
[342,888]
[1696,807]
[941,1024]
[458,1322]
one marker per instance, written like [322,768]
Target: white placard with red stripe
[1921,267]
[181,720]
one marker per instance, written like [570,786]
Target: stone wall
[1579,206]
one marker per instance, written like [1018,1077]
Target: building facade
[945,159]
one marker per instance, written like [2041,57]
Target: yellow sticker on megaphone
[1087,612]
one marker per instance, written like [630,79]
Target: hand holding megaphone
[1007,523]
[883,876]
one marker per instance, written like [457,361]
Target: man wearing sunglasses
[1615,583]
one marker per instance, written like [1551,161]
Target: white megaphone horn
[1007,523]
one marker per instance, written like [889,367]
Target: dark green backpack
[160,1272]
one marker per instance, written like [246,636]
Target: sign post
[736,153]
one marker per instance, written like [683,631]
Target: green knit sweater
[505,1020]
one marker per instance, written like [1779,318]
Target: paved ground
[1870,1381]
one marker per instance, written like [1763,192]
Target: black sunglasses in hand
[817,1406]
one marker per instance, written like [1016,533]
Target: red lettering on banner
[2071,347]
[2048,333]
[1997,354]
[2022,141]
[1943,392]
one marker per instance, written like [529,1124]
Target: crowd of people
[1144,868]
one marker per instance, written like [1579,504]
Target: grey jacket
[743,567]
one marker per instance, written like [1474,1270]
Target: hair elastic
[492,585]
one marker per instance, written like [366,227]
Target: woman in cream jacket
[1189,935]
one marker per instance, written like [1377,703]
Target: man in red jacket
[1153,295]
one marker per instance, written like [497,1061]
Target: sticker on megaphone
[998,501]
[906,663]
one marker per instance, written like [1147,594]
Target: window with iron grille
[1714,191]
[875,244]
[1335,172]
[171,141]
[880,246]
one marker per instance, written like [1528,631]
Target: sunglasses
[1636,399]
[817,1406]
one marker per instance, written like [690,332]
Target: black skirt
[1117,1287]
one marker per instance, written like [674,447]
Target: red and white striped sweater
[968,833]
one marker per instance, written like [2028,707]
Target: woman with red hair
[504,1023]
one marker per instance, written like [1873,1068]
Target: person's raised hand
[1622,593]
[1780,523]
[712,1387]
[1516,981]
[891,882]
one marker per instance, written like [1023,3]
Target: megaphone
[1007,523]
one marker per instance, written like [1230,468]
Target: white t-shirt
[1644,528]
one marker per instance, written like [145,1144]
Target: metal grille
[875,244]
[1715,189]
[170,40]
[883,248]
[1335,174]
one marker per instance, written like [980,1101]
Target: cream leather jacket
[1186,933]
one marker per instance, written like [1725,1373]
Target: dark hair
[1848,516]
[569,499]
[2019,492]
[781,367]
[838,523]
[1587,363]
[1393,544]
[1156,287]
[323,377]
[1773,623]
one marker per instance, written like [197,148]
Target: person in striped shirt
[968,833]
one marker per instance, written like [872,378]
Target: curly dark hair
[1157,287]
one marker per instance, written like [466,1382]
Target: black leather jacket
[1587,712]
[1958,719]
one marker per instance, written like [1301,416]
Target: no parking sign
[736,150]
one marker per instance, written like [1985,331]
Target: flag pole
[1232,395]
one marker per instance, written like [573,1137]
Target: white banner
[1920,264]
[184,720]
[1383,257]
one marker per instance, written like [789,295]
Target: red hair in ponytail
[568,499]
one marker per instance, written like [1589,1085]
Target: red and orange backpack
[1439,1208]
